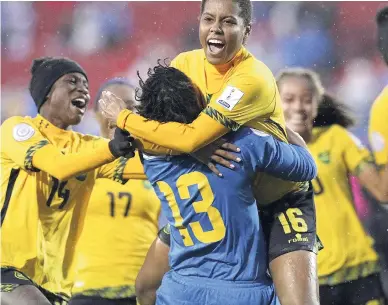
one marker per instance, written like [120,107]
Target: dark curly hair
[168,95]
[245,6]
[331,111]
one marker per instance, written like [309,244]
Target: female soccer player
[48,171]
[120,225]
[348,265]
[240,90]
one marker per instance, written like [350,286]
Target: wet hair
[312,77]
[168,95]
[331,111]
[114,81]
[245,7]
[382,32]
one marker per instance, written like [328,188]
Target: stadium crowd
[142,165]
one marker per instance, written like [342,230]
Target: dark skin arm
[151,273]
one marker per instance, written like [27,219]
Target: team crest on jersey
[22,132]
[230,97]
[324,157]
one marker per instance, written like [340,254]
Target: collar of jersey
[224,68]
[48,128]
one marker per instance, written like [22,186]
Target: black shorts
[96,300]
[289,224]
[363,291]
[12,278]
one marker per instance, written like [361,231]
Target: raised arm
[28,148]
[286,161]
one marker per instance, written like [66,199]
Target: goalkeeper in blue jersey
[218,249]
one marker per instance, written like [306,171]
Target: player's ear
[248,30]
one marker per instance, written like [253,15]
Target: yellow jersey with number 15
[378,128]
[41,216]
[120,226]
[348,253]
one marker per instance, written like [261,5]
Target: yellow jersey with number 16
[120,226]
[348,253]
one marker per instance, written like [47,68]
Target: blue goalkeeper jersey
[215,225]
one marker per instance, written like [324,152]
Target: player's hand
[110,106]
[219,152]
[295,138]
[122,144]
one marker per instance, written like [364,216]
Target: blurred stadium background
[337,39]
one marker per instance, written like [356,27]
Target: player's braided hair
[330,110]
[245,6]
[167,95]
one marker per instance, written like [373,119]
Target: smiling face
[300,103]
[222,30]
[67,101]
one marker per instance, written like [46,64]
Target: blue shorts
[184,290]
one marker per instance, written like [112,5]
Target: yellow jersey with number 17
[348,253]
[120,226]
[378,128]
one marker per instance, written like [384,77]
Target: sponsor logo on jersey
[20,276]
[22,132]
[298,238]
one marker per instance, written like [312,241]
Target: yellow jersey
[378,128]
[348,253]
[240,92]
[40,215]
[120,226]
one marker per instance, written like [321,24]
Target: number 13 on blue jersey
[200,206]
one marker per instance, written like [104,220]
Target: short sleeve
[378,128]
[20,140]
[355,154]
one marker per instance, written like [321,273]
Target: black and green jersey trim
[119,170]
[220,118]
[365,162]
[30,153]
[119,292]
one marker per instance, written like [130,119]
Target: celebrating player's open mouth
[215,46]
[79,104]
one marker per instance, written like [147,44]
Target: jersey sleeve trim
[165,235]
[118,174]
[222,119]
[364,162]
[281,129]
[30,153]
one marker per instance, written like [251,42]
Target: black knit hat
[46,71]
